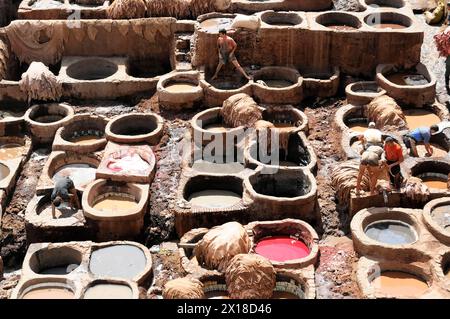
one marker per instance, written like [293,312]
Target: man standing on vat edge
[227,46]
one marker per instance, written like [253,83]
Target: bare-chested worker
[227,46]
[64,190]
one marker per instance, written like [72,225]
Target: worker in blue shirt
[420,135]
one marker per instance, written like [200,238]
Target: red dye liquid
[281,248]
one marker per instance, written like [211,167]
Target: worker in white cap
[371,137]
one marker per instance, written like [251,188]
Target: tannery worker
[371,137]
[393,154]
[420,135]
[370,162]
[64,191]
[227,46]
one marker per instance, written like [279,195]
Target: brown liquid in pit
[341,27]
[399,284]
[108,291]
[115,204]
[438,151]
[388,26]
[11,151]
[181,87]
[217,128]
[284,295]
[358,126]
[435,184]
[49,293]
[4,171]
[84,140]
[417,117]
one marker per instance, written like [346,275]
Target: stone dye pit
[391,232]
[85,133]
[118,261]
[84,270]
[108,291]
[45,119]
[434,174]
[207,200]
[399,284]
[115,209]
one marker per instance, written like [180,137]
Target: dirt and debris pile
[39,83]
[386,113]
[221,244]
[250,276]
[127,9]
[183,288]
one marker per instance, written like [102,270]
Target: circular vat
[4,171]
[213,192]
[83,132]
[276,77]
[55,261]
[135,128]
[124,261]
[285,242]
[44,120]
[207,124]
[179,90]
[288,287]
[108,289]
[47,289]
[91,69]
[436,215]
[281,19]
[50,113]
[388,21]
[80,168]
[12,147]
[433,173]
[295,155]
[408,77]
[281,185]
[397,283]
[107,199]
[339,21]
[362,93]
[385,227]
[397,4]
[286,119]
[229,82]
[391,232]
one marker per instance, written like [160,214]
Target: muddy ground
[335,276]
